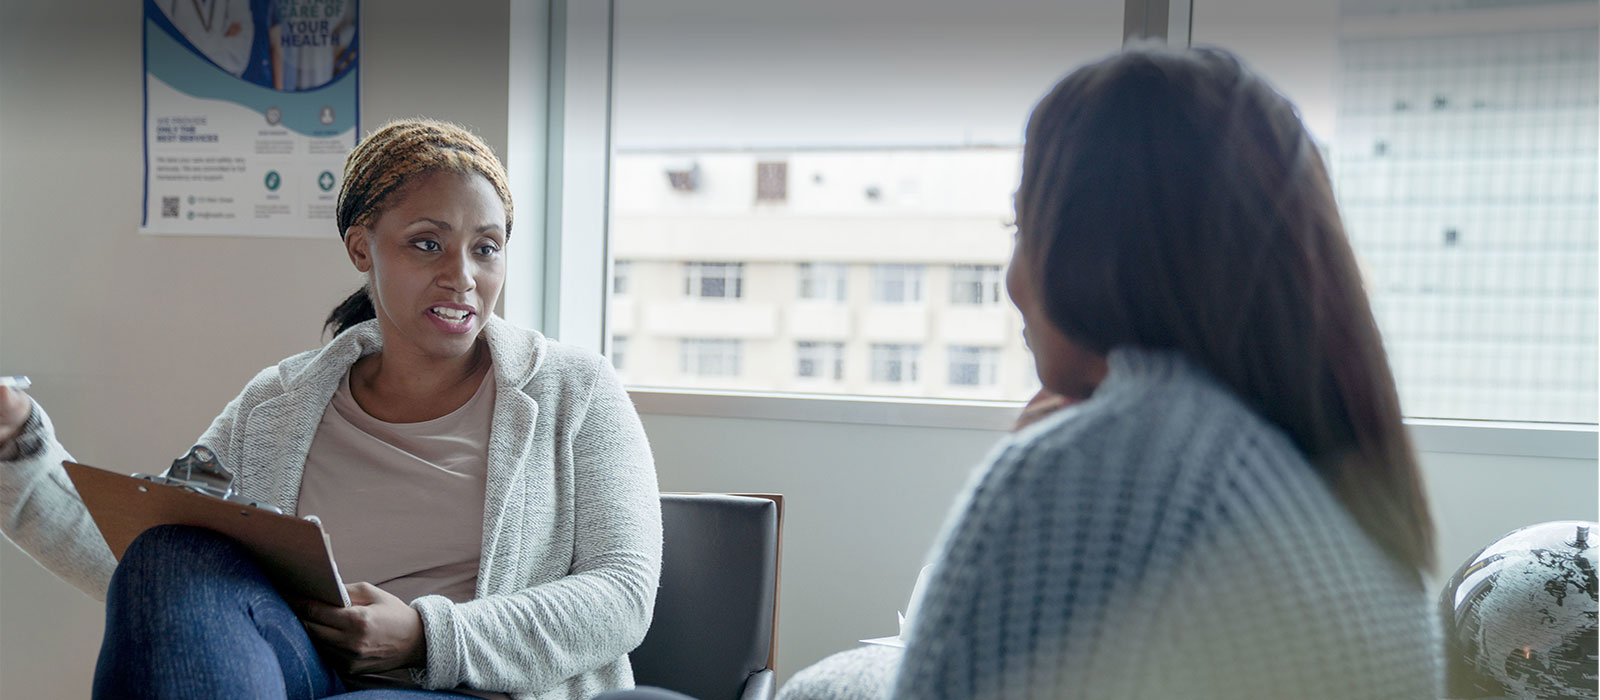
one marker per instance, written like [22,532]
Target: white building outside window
[823,281]
[897,284]
[895,363]
[819,360]
[710,357]
[1463,161]
[709,280]
[975,285]
[974,366]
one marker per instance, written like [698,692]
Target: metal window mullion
[1166,21]
[578,172]
[1144,20]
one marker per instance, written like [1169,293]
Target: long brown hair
[384,162]
[1172,199]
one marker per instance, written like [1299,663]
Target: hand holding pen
[15,408]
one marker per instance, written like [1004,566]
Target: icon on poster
[273,180]
[325,180]
[274,116]
[326,115]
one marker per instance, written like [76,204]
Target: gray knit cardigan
[572,523]
[1159,540]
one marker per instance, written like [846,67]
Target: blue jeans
[189,615]
[642,693]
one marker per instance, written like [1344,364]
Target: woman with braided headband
[489,491]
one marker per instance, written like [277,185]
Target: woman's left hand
[378,632]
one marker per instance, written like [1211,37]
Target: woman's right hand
[15,409]
[1041,405]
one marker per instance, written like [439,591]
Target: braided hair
[384,163]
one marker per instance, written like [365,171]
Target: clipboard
[293,552]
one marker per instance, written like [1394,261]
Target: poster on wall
[250,107]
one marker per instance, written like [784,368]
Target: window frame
[695,277]
[772,182]
[617,352]
[827,356]
[835,283]
[904,356]
[990,280]
[729,352]
[983,358]
[912,278]
[562,284]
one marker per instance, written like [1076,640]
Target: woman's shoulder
[564,358]
[529,359]
[1156,421]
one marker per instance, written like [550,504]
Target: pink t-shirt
[402,503]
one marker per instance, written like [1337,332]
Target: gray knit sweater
[572,523]
[1156,541]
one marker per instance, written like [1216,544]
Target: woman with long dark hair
[1228,505]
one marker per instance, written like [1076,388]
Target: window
[1460,136]
[700,357]
[1464,162]
[897,284]
[895,364]
[823,281]
[621,277]
[772,182]
[762,133]
[974,366]
[713,280]
[819,360]
[619,352]
[975,284]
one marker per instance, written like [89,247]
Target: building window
[897,284]
[772,181]
[974,366]
[702,357]
[713,280]
[619,352]
[973,285]
[823,281]
[817,360]
[621,277]
[895,364]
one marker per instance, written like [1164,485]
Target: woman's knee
[642,693]
[170,558]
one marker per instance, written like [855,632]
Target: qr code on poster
[169,207]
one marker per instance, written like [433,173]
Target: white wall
[134,342]
[864,504]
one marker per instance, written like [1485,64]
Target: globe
[1520,616]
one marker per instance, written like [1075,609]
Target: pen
[17,382]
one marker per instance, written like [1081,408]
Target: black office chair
[715,625]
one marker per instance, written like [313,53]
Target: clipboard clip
[201,472]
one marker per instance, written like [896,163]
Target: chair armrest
[761,685]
